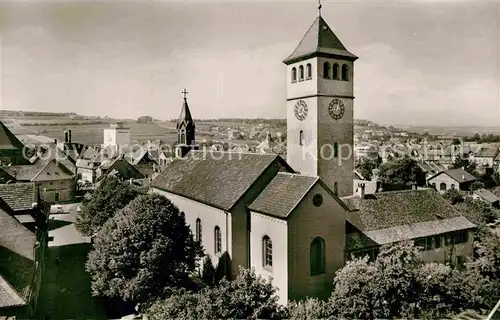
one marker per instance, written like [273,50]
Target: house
[487,196]
[146,161]
[451,179]
[22,250]
[422,216]
[486,156]
[120,168]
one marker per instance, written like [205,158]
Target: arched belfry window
[335,149]
[301,73]
[267,250]
[301,138]
[183,137]
[308,71]
[336,71]
[294,74]
[326,70]
[317,256]
[198,230]
[335,188]
[217,240]
[345,72]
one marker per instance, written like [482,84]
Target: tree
[456,142]
[476,185]
[143,252]
[454,196]
[310,309]
[249,296]
[366,165]
[208,271]
[399,173]
[460,162]
[98,207]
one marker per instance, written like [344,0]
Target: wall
[209,216]
[87,174]
[443,178]
[276,230]
[443,253]
[484,161]
[305,223]
[64,187]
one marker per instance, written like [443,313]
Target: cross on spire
[185,93]
[319,7]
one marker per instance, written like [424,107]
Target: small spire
[319,8]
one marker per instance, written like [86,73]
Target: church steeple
[185,128]
[319,40]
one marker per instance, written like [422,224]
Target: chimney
[69,136]
[361,190]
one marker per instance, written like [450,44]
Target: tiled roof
[319,39]
[8,296]
[399,208]
[19,196]
[460,175]
[489,152]
[15,237]
[486,195]
[53,170]
[283,194]
[124,169]
[24,172]
[8,140]
[215,178]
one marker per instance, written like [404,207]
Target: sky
[420,62]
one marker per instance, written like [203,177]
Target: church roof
[289,188]
[319,40]
[215,178]
[8,140]
[185,117]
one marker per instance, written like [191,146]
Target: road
[66,290]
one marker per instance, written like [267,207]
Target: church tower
[320,96]
[185,130]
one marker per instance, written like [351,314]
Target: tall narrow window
[198,230]
[301,138]
[308,71]
[326,70]
[301,73]
[183,137]
[335,149]
[217,240]
[267,251]
[317,258]
[336,73]
[335,188]
[345,72]
[294,74]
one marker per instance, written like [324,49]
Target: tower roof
[185,117]
[319,40]
[8,140]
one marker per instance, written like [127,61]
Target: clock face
[336,109]
[300,110]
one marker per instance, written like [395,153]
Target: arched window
[335,149]
[267,250]
[301,138]
[217,240]
[442,186]
[183,137]
[317,256]
[294,74]
[308,71]
[198,230]
[326,70]
[345,72]
[301,73]
[335,188]
[183,215]
[335,71]
[452,186]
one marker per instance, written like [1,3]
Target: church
[297,220]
